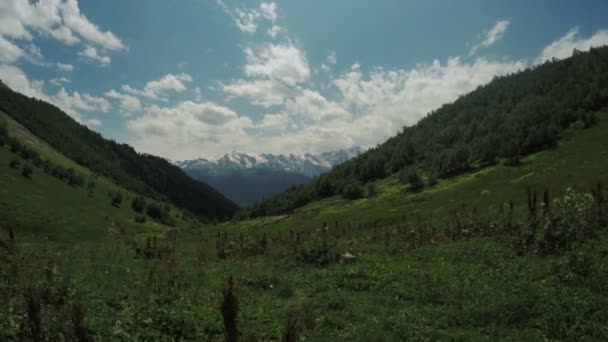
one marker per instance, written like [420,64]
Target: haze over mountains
[248,177]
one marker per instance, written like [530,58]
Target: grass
[403,282]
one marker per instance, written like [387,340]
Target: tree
[27,170]
[138,204]
[352,191]
[410,176]
[371,190]
[117,199]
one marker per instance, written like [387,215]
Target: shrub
[15,163]
[352,191]
[317,252]
[117,199]
[138,204]
[371,190]
[27,170]
[572,220]
[432,181]
[410,176]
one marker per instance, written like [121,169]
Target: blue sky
[198,78]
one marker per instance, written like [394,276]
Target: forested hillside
[508,118]
[146,174]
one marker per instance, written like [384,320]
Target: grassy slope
[48,207]
[579,160]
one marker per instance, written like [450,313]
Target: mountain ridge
[306,164]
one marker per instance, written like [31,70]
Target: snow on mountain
[308,164]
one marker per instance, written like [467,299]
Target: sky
[200,78]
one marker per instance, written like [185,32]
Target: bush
[27,170]
[15,163]
[117,199]
[371,190]
[317,252]
[411,177]
[572,219]
[352,191]
[138,204]
[432,181]
[140,219]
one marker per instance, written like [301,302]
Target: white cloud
[283,62]
[78,23]
[275,30]
[197,94]
[492,36]
[128,103]
[263,93]
[9,52]
[60,19]
[18,81]
[156,89]
[189,129]
[269,10]
[85,102]
[563,47]
[355,66]
[91,53]
[325,67]
[59,81]
[65,67]
[248,20]
[332,58]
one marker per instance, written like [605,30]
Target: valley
[406,198]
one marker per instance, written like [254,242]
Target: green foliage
[370,190]
[117,199]
[410,176]
[352,191]
[157,213]
[317,252]
[27,170]
[572,218]
[15,163]
[138,204]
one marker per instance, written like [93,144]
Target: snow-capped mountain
[308,165]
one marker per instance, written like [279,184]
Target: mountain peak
[308,164]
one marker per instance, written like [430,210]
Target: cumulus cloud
[184,130]
[65,67]
[128,103]
[275,30]
[492,36]
[60,80]
[248,20]
[262,92]
[76,101]
[157,88]
[563,47]
[91,53]
[284,62]
[332,58]
[9,52]
[60,19]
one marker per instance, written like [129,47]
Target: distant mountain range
[248,177]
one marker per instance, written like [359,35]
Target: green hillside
[46,207]
[142,173]
[510,117]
